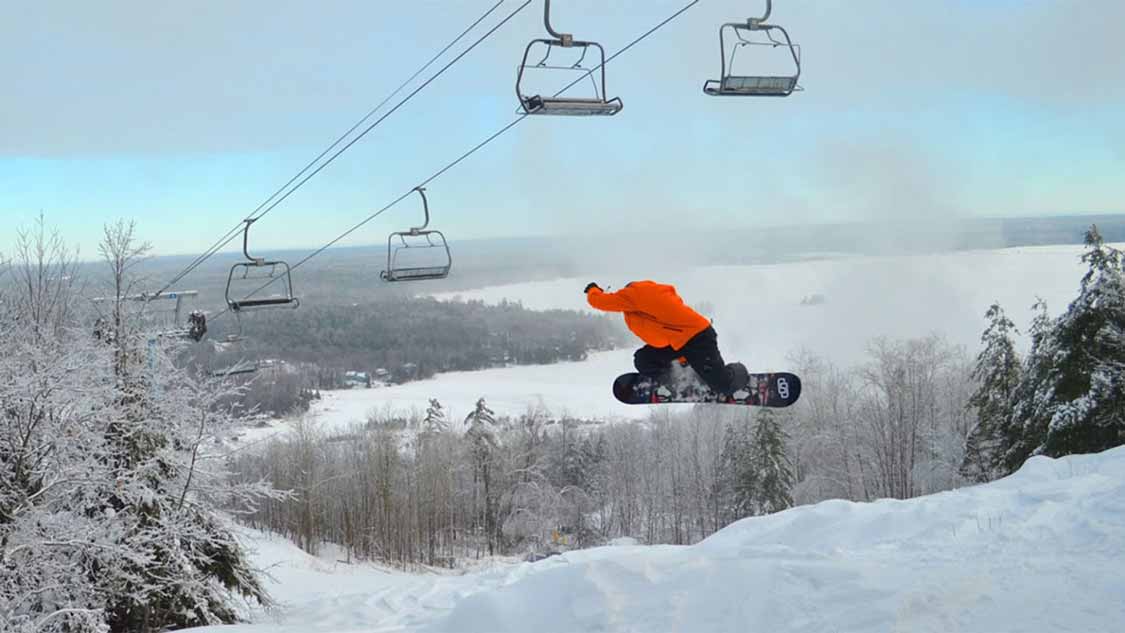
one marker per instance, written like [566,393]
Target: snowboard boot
[739,379]
[621,390]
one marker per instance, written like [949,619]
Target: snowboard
[779,389]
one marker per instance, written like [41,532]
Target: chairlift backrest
[732,84]
[435,243]
[598,105]
[261,269]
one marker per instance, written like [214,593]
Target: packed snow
[1040,550]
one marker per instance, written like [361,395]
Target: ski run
[1040,550]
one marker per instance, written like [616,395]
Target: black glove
[590,285]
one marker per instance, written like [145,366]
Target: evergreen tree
[572,459]
[734,483]
[435,421]
[1083,404]
[1022,433]
[481,433]
[772,471]
[723,479]
[481,437]
[996,374]
[1072,395]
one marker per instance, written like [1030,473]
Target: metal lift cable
[273,200]
[469,153]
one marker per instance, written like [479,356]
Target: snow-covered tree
[771,468]
[1023,433]
[483,445]
[734,480]
[1074,397]
[435,421]
[902,408]
[107,511]
[996,375]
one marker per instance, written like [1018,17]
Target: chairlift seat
[558,105]
[742,85]
[242,269]
[269,302]
[416,274]
[396,272]
[736,86]
[435,243]
[571,106]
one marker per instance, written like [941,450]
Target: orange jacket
[654,312]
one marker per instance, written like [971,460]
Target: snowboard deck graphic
[778,389]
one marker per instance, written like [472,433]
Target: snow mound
[1040,550]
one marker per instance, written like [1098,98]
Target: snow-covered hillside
[1041,550]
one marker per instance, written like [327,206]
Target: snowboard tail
[778,389]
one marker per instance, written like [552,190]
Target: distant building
[357,379]
[813,300]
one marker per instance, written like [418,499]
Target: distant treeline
[415,338]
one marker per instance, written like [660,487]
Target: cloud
[130,76]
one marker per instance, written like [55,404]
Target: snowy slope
[1041,550]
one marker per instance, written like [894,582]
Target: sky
[186,116]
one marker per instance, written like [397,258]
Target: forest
[412,338]
[119,495]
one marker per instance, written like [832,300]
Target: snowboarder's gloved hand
[591,285]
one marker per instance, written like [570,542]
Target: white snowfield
[571,388]
[758,313]
[1042,550]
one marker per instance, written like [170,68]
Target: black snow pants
[702,354]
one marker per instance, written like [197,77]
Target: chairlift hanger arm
[258,261]
[425,209]
[752,22]
[565,39]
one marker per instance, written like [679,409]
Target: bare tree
[45,271]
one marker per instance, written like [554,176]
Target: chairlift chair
[161,314]
[239,366]
[434,243]
[261,269]
[597,105]
[730,84]
[237,369]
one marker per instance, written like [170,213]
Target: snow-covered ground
[571,388]
[1041,550]
[760,320]
[579,389]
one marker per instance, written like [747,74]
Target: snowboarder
[671,331]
